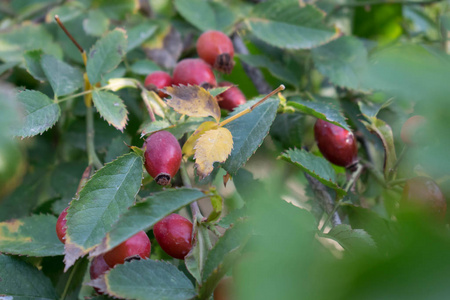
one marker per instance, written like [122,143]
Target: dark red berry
[224,290]
[194,71]
[174,235]
[424,193]
[231,98]
[136,247]
[216,49]
[411,128]
[162,156]
[336,144]
[158,80]
[98,267]
[61,226]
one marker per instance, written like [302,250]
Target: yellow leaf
[193,100]
[213,146]
[153,102]
[188,147]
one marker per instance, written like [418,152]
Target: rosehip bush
[224,149]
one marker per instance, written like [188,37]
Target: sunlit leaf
[188,147]
[153,102]
[111,108]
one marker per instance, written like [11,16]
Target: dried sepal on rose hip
[194,71]
[336,144]
[162,156]
[136,247]
[157,81]
[174,235]
[216,48]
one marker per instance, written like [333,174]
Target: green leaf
[276,68]
[63,78]
[285,24]
[287,130]
[144,67]
[22,281]
[105,197]
[316,166]
[145,214]
[41,113]
[151,127]
[106,55]
[195,259]
[15,42]
[32,236]
[118,147]
[96,23]
[249,132]
[111,108]
[218,90]
[352,240]
[117,9]
[139,34]
[189,126]
[222,256]
[217,205]
[371,109]
[33,64]
[146,280]
[320,110]
[343,61]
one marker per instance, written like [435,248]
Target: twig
[58,20]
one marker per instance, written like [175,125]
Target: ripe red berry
[411,128]
[136,247]
[158,80]
[336,144]
[216,49]
[98,267]
[231,98]
[424,193]
[174,235]
[162,156]
[61,226]
[194,71]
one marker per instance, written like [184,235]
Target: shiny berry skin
[174,235]
[61,226]
[162,156]
[136,247]
[424,193]
[216,48]
[231,98]
[336,144]
[411,128]
[158,80]
[98,267]
[194,71]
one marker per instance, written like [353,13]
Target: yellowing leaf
[188,147]
[193,101]
[213,146]
[153,102]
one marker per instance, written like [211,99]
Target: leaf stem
[251,108]
[196,213]
[90,133]
[399,159]
[66,288]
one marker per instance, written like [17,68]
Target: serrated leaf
[188,147]
[96,23]
[213,146]
[146,280]
[352,240]
[222,256]
[343,61]
[151,127]
[320,110]
[145,214]
[115,84]
[153,102]
[285,24]
[316,166]
[118,147]
[33,64]
[193,101]
[63,78]
[40,112]
[32,236]
[111,108]
[139,34]
[22,281]
[106,55]
[218,90]
[249,132]
[105,197]
[384,132]
[195,259]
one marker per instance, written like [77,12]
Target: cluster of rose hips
[215,50]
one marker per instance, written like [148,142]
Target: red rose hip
[158,80]
[61,226]
[136,247]
[411,128]
[231,98]
[216,49]
[98,267]
[194,71]
[424,193]
[174,235]
[336,144]
[162,156]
